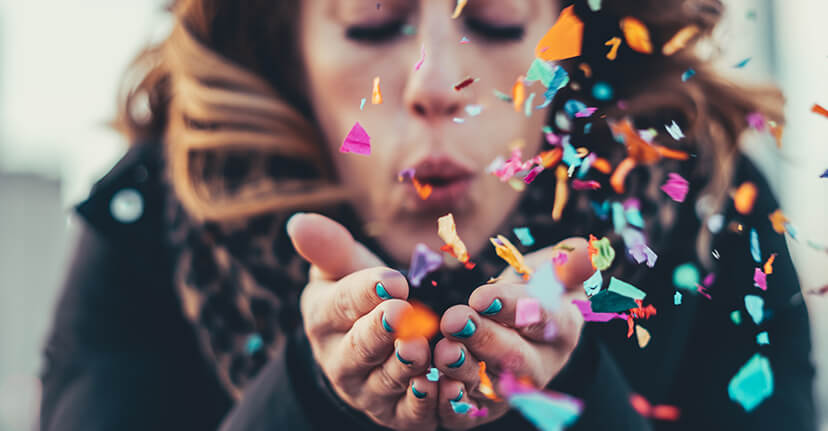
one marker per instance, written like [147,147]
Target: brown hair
[227,81]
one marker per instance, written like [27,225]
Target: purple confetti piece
[676,187]
[423,261]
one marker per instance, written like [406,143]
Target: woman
[196,301]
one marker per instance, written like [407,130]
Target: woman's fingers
[410,358]
[454,360]
[416,409]
[454,390]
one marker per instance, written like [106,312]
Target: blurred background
[60,65]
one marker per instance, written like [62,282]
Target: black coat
[121,356]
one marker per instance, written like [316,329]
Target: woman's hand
[485,330]
[350,307]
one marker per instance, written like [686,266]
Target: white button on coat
[127,206]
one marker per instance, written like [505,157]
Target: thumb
[328,246]
[571,273]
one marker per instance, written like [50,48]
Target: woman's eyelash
[495,32]
[376,33]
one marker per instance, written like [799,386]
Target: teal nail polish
[467,330]
[417,393]
[495,306]
[458,362]
[459,396]
[381,292]
[403,360]
[386,325]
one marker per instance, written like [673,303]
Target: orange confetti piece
[615,43]
[423,190]
[459,8]
[518,94]
[778,221]
[669,153]
[602,165]
[637,35]
[564,39]
[551,158]
[768,267]
[776,130]
[744,198]
[508,252]
[447,231]
[638,149]
[486,387]
[418,321]
[620,174]
[679,40]
[561,192]
[819,110]
[376,94]
[586,69]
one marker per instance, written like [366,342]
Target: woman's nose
[429,92]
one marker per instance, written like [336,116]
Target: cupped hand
[350,308]
[485,330]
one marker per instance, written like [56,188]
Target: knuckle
[390,383]
[360,349]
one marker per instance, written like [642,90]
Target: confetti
[602,91]
[541,71]
[474,110]
[762,338]
[754,306]
[659,412]
[527,106]
[548,412]
[593,284]
[423,190]
[755,251]
[744,198]
[742,63]
[362,103]
[527,312]
[545,287]
[524,236]
[376,94]
[357,141]
[433,374]
[486,387]
[594,5]
[615,43]
[459,8]
[585,307]
[254,344]
[585,185]
[417,321]
[586,112]
[636,34]
[675,131]
[406,174]
[768,268]
[676,187]
[677,298]
[643,336]
[447,231]
[752,384]
[687,75]
[564,39]
[518,94]
[736,317]
[561,192]
[621,171]
[419,63]
[760,279]
[778,220]
[458,120]
[601,253]
[423,261]
[686,276]
[465,82]
[756,121]
[679,40]
[817,109]
[625,289]
[611,302]
[464,40]
[508,252]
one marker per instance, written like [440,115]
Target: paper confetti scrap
[546,287]
[465,82]
[760,279]
[423,190]
[756,121]
[524,236]
[486,387]
[676,187]
[687,75]
[362,103]
[744,198]
[474,110]
[419,63]
[677,298]
[601,253]
[611,302]
[675,131]
[423,261]
[636,34]
[778,220]
[768,267]
[585,185]
[464,40]
[527,312]
[447,231]
[762,338]
[817,109]
[736,317]
[546,411]
[357,141]
[508,252]
[625,289]
[752,384]
[593,284]
[642,335]
[686,276]
[585,307]
[459,8]
[658,412]
[614,43]
[376,94]
[518,94]
[679,40]
[418,321]
[755,307]
[564,39]
[594,5]
[433,374]
[742,63]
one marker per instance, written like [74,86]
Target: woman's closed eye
[494,32]
[375,33]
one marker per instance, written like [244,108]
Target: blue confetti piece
[524,236]
[433,374]
[625,289]
[619,220]
[254,344]
[593,284]
[601,210]
[677,298]
[755,307]
[570,156]
[762,338]
[541,71]
[634,218]
[686,276]
[362,103]
[752,384]
[572,107]
[687,75]
[602,91]
[588,128]
[755,252]
[527,106]
[742,63]
[824,174]
[546,413]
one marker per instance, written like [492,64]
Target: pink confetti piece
[586,112]
[464,40]
[532,174]
[419,64]
[357,141]
[550,331]
[757,121]
[527,312]
[553,139]
[560,258]
[585,185]
[589,316]
[760,279]
[676,187]
[478,413]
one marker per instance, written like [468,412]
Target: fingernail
[459,361]
[290,222]
[403,360]
[459,396]
[386,325]
[417,393]
[467,330]
[381,292]
[493,308]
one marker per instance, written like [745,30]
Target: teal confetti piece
[545,412]
[409,30]
[593,284]
[474,110]
[687,75]
[362,103]
[611,302]
[762,338]
[736,317]
[619,219]
[602,91]
[541,71]
[524,236]
[570,156]
[254,344]
[572,107]
[742,63]
[433,374]
[625,289]
[677,298]
[527,106]
[503,96]
[634,218]
[594,5]
[686,276]
[754,306]
[755,251]
[547,130]
[752,384]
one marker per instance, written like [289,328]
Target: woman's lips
[449,180]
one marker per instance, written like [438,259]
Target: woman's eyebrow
[351,8]
[522,8]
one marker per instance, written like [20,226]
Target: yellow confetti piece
[447,231]
[778,221]
[615,43]
[486,387]
[508,252]
[459,8]
[564,39]
[679,40]
[518,94]
[744,197]
[636,34]
[643,336]
[601,253]
[561,192]
[768,267]
[376,94]
[418,321]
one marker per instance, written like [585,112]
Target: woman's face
[345,44]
